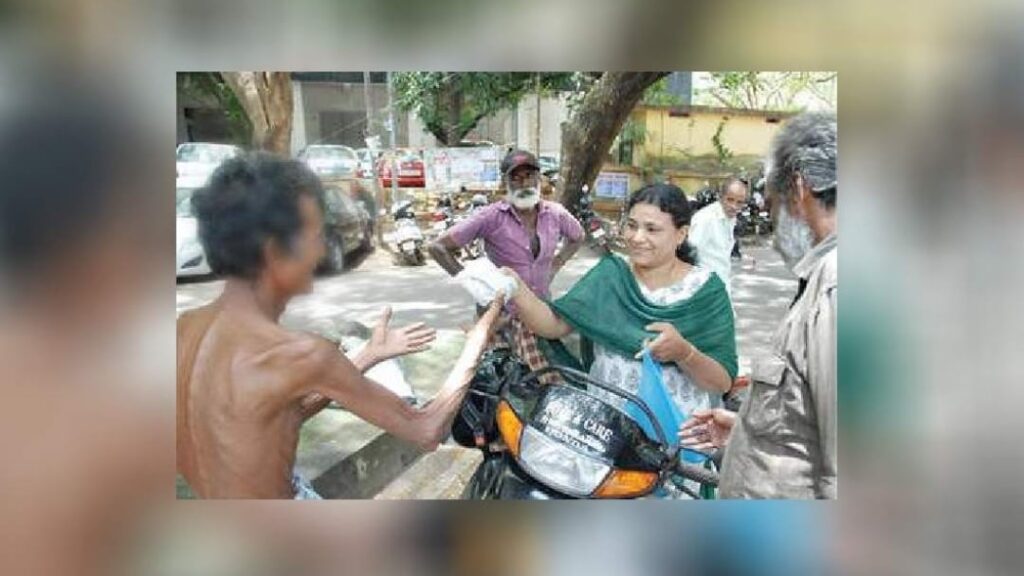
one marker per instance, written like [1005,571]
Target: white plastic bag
[482,279]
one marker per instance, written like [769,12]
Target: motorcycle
[407,239]
[560,440]
[745,221]
[704,197]
[443,217]
[601,233]
[754,219]
[474,249]
[762,217]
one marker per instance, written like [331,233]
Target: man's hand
[520,285]
[564,255]
[387,343]
[487,324]
[707,429]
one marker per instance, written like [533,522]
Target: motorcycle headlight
[559,466]
[567,470]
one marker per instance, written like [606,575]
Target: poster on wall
[472,168]
[612,185]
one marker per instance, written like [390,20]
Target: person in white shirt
[711,229]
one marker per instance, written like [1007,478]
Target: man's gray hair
[732,181]
[806,145]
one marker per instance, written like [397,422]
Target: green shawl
[607,307]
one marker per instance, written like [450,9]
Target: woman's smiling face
[651,236]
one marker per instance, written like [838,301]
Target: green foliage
[210,87]
[578,84]
[632,135]
[450,104]
[633,132]
[723,151]
[785,91]
[658,95]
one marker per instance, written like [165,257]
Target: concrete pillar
[298,118]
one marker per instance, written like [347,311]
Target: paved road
[762,288]
[416,293]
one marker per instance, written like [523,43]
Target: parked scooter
[407,239]
[559,440]
[443,217]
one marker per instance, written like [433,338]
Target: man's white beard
[524,198]
[793,237]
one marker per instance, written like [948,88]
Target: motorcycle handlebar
[697,473]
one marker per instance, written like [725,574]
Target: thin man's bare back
[237,424]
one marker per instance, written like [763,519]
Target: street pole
[369,136]
[515,124]
[366,104]
[536,146]
[391,139]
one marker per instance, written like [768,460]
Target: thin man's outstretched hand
[386,343]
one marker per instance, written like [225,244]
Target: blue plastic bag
[653,392]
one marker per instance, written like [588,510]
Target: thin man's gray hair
[807,145]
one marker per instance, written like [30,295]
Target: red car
[412,172]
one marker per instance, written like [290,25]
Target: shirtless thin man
[247,384]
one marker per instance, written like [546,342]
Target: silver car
[331,161]
[200,159]
[190,257]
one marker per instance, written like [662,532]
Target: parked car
[411,170]
[549,164]
[367,163]
[190,257]
[200,159]
[347,228]
[330,160]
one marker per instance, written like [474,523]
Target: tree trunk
[454,94]
[266,98]
[587,137]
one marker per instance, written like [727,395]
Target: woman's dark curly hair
[248,200]
[671,199]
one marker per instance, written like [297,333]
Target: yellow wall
[744,133]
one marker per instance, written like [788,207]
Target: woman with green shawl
[659,300]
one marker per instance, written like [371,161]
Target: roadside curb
[368,470]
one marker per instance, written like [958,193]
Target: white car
[330,160]
[200,159]
[190,257]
